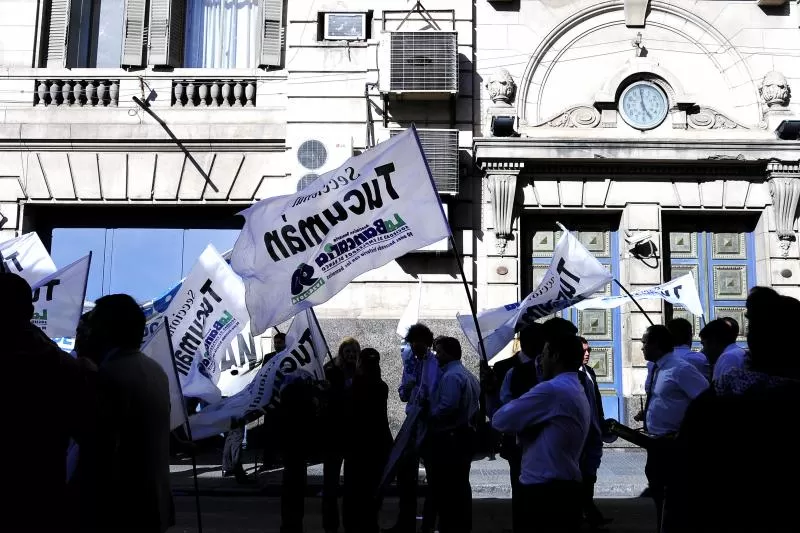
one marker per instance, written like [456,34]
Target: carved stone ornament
[582,116]
[501,87]
[784,187]
[502,182]
[775,90]
[707,118]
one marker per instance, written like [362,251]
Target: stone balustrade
[213,93]
[75,93]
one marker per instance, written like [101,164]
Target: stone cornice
[78,145]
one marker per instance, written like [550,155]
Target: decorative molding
[784,188]
[708,118]
[501,87]
[502,196]
[775,90]
[580,116]
[635,13]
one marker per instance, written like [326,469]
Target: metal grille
[441,151]
[424,61]
[303,182]
[312,154]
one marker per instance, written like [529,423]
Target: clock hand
[644,108]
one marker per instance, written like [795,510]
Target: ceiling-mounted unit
[421,64]
[313,157]
[441,150]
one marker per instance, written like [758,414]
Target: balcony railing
[76,93]
[213,93]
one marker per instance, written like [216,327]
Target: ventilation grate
[441,151]
[424,61]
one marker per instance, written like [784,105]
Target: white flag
[681,291]
[27,257]
[58,299]
[240,362]
[411,314]
[299,250]
[157,348]
[204,316]
[574,274]
[305,350]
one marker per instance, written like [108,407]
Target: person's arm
[447,400]
[505,388]
[533,407]
[408,379]
[692,382]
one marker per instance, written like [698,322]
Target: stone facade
[550,72]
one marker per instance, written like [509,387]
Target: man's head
[657,342]
[558,327]
[562,354]
[17,308]
[531,339]
[733,324]
[116,321]
[587,350]
[420,338]
[348,352]
[716,336]
[682,331]
[447,350]
[279,341]
[369,363]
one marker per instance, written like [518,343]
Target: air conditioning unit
[422,64]
[313,157]
[441,151]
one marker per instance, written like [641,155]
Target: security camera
[637,238]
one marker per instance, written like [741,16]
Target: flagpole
[626,291]
[86,283]
[469,299]
[313,314]
[188,430]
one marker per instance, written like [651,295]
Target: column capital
[783,178]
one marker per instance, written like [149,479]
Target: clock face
[643,105]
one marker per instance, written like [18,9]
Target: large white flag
[680,291]
[411,313]
[158,349]
[305,349]
[240,362]
[299,250]
[27,257]
[204,316]
[58,299]
[574,274]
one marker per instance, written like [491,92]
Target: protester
[339,375]
[265,430]
[123,468]
[682,335]
[232,455]
[719,344]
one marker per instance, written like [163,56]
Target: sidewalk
[621,475]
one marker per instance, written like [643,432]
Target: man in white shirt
[552,422]
[719,343]
[675,383]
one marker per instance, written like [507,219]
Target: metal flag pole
[188,430]
[314,315]
[626,291]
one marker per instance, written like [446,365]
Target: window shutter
[271,41]
[166,32]
[133,36]
[57,34]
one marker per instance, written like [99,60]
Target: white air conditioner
[422,64]
[314,156]
[441,151]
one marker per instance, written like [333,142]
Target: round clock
[643,105]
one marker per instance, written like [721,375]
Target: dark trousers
[553,507]
[657,468]
[448,478]
[360,503]
[293,491]
[331,470]
[232,451]
[590,511]
[407,481]
[514,456]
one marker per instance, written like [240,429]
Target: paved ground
[621,475]
[259,514]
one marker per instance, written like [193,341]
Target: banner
[681,291]
[158,349]
[204,316]
[58,299]
[27,257]
[411,314]
[574,274]
[305,349]
[240,362]
[299,250]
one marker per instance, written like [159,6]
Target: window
[180,33]
[345,26]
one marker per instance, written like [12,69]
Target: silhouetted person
[339,375]
[266,430]
[719,345]
[682,335]
[736,451]
[42,389]
[368,446]
[123,468]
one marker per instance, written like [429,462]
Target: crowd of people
[94,439]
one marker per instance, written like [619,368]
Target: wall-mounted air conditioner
[441,150]
[314,156]
[422,64]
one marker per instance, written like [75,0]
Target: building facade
[663,132]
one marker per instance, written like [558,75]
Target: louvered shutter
[57,34]
[133,37]
[272,31]
[166,32]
